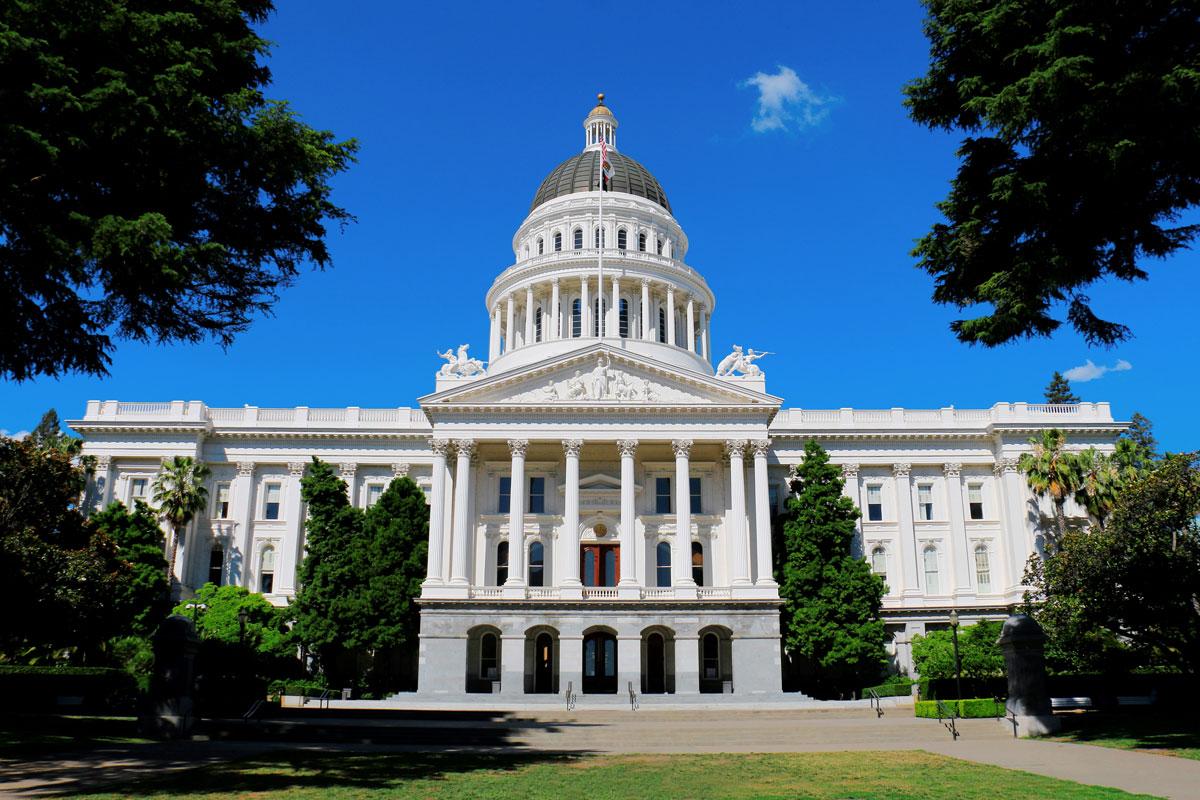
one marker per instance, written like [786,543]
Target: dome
[580,174]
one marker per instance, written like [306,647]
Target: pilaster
[907,538]
[681,556]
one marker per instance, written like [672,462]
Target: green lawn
[32,735]
[1169,734]
[863,775]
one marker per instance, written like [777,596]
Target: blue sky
[800,214]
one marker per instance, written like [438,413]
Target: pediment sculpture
[460,365]
[742,362]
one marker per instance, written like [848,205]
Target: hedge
[80,688]
[896,687]
[974,708]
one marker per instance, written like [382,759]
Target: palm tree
[1100,480]
[179,494]
[1051,472]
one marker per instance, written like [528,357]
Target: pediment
[600,376]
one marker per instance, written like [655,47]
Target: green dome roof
[580,174]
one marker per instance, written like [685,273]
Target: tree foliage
[142,599]
[180,494]
[217,618]
[1083,125]
[979,655]
[831,619]
[1052,472]
[1058,391]
[1141,433]
[148,187]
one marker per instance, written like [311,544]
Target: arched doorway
[716,660]
[543,664]
[599,663]
[656,664]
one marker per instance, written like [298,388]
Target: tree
[142,599]
[180,494]
[831,599]
[218,618]
[1051,472]
[1141,433]
[979,655]
[149,189]
[48,435]
[1100,482]
[1081,122]
[1059,390]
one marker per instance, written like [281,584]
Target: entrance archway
[543,664]
[658,660]
[600,663]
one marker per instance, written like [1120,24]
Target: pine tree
[831,621]
[1059,390]
[1141,433]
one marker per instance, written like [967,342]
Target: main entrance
[600,564]
[543,664]
[599,663]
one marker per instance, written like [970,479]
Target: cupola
[600,122]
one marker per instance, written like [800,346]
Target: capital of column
[901,470]
[850,472]
[571,447]
[554,282]
[646,282]
[103,463]
[400,470]
[348,470]
[440,447]
[518,447]
[682,447]
[951,470]
[1004,465]
[735,447]
[245,469]
[627,447]
[296,468]
[761,447]
[465,447]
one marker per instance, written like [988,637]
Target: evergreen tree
[831,621]
[1141,433]
[142,600]
[48,435]
[1059,390]
[180,494]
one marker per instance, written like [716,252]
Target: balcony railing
[352,417]
[949,417]
[594,593]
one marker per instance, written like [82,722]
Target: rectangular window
[694,491]
[975,500]
[374,492]
[983,570]
[875,503]
[537,495]
[216,566]
[773,498]
[505,496]
[222,509]
[137,487]
[932,586]
[662,495]
[925,501]
[271,499]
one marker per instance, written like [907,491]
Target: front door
[543,664]
[599,663]
[656,664]
[600,564]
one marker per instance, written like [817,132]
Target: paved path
[661,731]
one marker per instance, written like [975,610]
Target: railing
[143,409]
[327,415]
[487,592]
[378,415]
[542,593]
[599,593]
[227,414]
[876,702]
[656,593]
[873,416]
[951,718]
[949,417]
[276,414]
[633,698]
[1003,712]
[569,696]
[712,593]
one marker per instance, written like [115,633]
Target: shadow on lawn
[1136,730]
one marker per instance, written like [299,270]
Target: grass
[1165,733]
[459,776]
[31,735]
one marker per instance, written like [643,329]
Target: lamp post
[957,662]
[196,608]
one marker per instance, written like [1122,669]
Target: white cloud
[1091,372]
[5,434]
[786,103]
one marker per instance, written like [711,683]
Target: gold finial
[600,99]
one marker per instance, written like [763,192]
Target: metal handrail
[876,702]
[951,718]
[1003,712]
[633,698]
[569,696]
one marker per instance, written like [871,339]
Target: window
[658,245]
[137,487]
[642,242]
[623,319]
[501,563]
[599,307]
[222,509]
[374,492]
[578,239]
[503,503]
[662,564]
[712,657]
[879,562]
[698,563]
[875,502]
[597,236]
[931,570]
[537,324]
[216,565]
[662,325]
[975,500]
[537,564]
[489,657]
[773,498]
[621,239]
[537,495]
[271,494]
[694,492]
[541,247]
[925,501]
[662,495]
[576,320]
[266,571]
[557,242]
[983,569]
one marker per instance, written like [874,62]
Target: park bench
[1137,699]
[1070,703]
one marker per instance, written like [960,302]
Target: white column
[516,513]
[670,314]
[1016,532]
[762,514]
[437,512]
[293,537]
[739,545]
[585,310]
[347,471]
[960,547]
[681,559]
[243,495]
[104,471]
[704,332]
[509,325]
[529,314]
[691,324]
[613,326]
[462,525]
[494,334]
[909,554]
[628,449]
[555,322]
[646,315]
[570,533]
[850,489]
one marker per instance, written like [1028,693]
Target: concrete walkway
[694,730]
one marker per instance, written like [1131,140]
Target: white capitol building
[600,495]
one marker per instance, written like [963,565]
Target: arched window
[216,565]
[537,564]
[663,564]
[489,657]
[623,319]
[659,246]
[501,563]
[558,241]
[597,236]
[698,563]
[983,569]
[642,242]
[541,246]
[879,562]
[599,307]
[621,239]
[662,325]
[930,559]
[711,666]
[578,236]
[266,570]
[576,321]
[537,324]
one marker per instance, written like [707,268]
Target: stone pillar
[670,314]
[739,545]
[704,332]
[293,537]
[762,515]
[105,472]
[614,313]
[347,471]
[242,493]
[628,449]
[512,662]
[494,334]
[681,558]
[907,539]
[570,663]
[585,309]
[529,314]
[437,511]
[516,515]
[510,325]
[850,489]
[1015,528]
[465,448]
[570,535]
[646,315]
[691,323]
[1023,644]
[687,663]
[959,547]
[629,663]
[555,312]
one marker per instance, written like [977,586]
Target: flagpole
[600,258]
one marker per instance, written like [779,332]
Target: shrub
[897,686]
[974,708]
[295,687]
[45,688]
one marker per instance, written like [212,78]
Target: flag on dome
[605,166]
